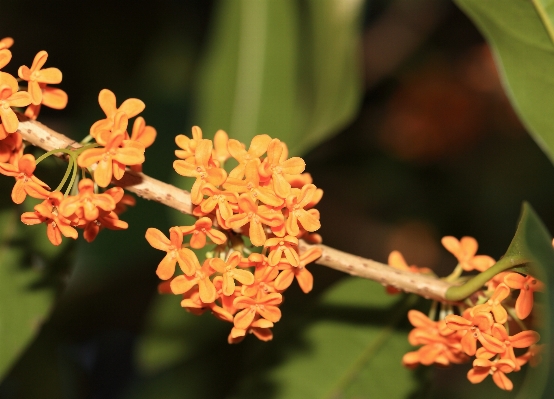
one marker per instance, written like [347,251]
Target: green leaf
[521,34]
[533,242]
[24,301]
[349,345]
[284,68]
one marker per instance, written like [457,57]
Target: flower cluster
[82,206]
[488,319]
[268,199]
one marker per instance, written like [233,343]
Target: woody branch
[155,190]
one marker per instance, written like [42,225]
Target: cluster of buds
[267,199]
[493,319]
[82,205]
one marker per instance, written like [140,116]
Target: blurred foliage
[521,34]
[287,68]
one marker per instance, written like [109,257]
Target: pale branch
[151,189]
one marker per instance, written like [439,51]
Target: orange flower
[279,169]
[5,54]
[35,75]
[6,42]
[188,145]
[264,276]
[130,107]
[533,356]
[113,158]
[11,146]
[477,328]
[201,229]
[261,328]
[107,219]
[251,185]
[258,146]
[142,134]
[283,246]
[303,276]
[230,273]
[51,97]
[200,169]
[221,152]
[256,216]
[494,304]
[465,250]
[497,368]
[527,286]
[47,212]
[296,202]
[201,277]
[175,253]
[87,204]
[11,97]
[523,339]
[26,182]
[265,306]
[220,199]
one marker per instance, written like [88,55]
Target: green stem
[457,272]
[70,166]
[73,176]
[461,292]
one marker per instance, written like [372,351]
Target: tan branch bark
[156,190]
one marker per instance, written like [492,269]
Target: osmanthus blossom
[260,327]
[112,159]
[26,182]
[47,212]
[201,229]
[251,185]
[230,272]
[283,246]
[224,201]
[494,304]
[464,250]
[441,345]
[532,356]
[296,203]
[527,286]
[105,219]
[303,276]
[523,339]
[188,145]
[106,98]
[11,146]
[142,134]
[36,76]
[477,327]
[52,97]
[263,305]
[201,170]
[191,301]
[187,260]
[87,204]
[5,54]
[258,147]
[221,152]
[264,276]
[10,96]
[201,278]
[278,167]
[257,216]
[497,368]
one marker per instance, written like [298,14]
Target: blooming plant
[256,231]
